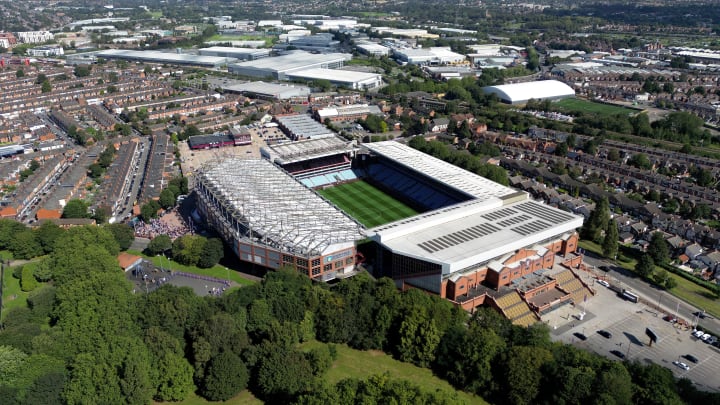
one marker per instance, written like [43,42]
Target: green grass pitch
[367,204]
[592,107]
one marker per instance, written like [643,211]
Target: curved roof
[539,90]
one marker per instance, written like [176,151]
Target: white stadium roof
[539,90]
[278,209]
[496,221]
[468,183]
[474,232]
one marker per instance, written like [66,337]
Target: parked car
[605,334]
[691,358]
[705,337]
[603,283]
[618,353]
[681,365]
[698,334]
[580,336]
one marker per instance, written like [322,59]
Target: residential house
[693,251]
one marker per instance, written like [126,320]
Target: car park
[605,334]
[691,358]
[603,283]
[681,365]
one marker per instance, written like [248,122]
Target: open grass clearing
[367,204]
[576,104]
[353,363]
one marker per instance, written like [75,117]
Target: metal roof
[276,207]
[474,232]
[294,60]
[466,182]
[165,57]
[538,90]
[307,149]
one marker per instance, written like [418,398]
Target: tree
[610,242]
[46,234]
[645,265]
[46,86]
[597,221]
[282,373]
[523,373]
[123,234]
[658,249]
[82,70]
[25,245]
[149,210]
[159,245]
[225,377]
[76,208]
[167,199]
[613,155]
[212,252]
[188,249]
[27,281]
[19,73]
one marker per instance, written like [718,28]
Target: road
[670,303]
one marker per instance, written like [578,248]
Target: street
[669,303]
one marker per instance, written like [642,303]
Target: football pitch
[577,104]
[367,204]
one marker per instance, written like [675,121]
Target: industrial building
[269,91]
[280,66]
[520,93]
[237,53]
[323,42]
[165,57]
[272,220]
[372,49]
[302,126]
[341,78]
[429,56]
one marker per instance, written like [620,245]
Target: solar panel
[458,237]
[494,216]
[530,228]
[514,220]
[551,215]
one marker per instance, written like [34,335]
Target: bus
[630,296]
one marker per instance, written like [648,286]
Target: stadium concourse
[448,231]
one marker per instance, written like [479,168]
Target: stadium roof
[459,179]
[307,149]
[539,90]
[474,232]
[279,210]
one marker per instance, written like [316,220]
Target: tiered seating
[326,177]
[526,320]
[419,192]
[313,165]
[568,282]
[516,309]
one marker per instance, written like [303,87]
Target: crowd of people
[159,226]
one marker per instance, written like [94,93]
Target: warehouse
[279,67]
[430,56]
[165,57]
[520,93]
[237,53]
[270,91]
[341,78]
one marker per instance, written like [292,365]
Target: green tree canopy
[124,235]
[76,208]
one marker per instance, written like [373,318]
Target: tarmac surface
[627,324]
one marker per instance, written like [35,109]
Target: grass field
[13,296]
[353,363]
[216,271]
[577,104]
[369,205]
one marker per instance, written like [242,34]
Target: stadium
[432,225]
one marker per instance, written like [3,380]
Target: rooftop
[278,209]
[307,149]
